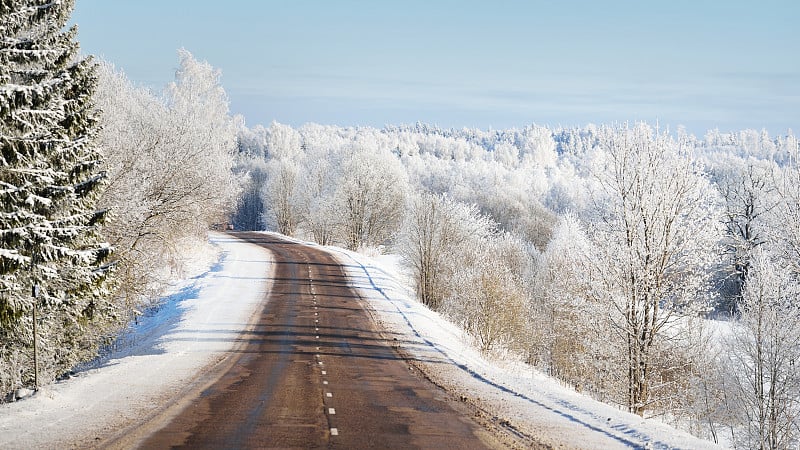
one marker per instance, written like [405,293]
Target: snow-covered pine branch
[50,173]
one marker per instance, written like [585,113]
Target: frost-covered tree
[537,147]
[250,208]
[207,138]
[317,195]
[170,164]
[435,231]
[280,196]
[786,228]
[463,267]
[763,351]
[50,178]
[370,197]
[283,142]
[748,190]
[655,227]
[487,293]
[567,332]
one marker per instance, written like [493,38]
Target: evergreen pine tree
[50,177]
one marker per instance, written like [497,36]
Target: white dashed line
[325,382]
[331,411]
[328,394]
[317,337]
[334,432]
[324,372]
[320,363]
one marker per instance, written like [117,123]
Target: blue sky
[703,64]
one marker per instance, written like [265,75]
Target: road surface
[313,372]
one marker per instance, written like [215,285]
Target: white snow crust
[159,356]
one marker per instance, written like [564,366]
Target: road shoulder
[177,350]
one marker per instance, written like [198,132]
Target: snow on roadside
[534,403]
[193,329]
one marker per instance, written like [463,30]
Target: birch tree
[170,169]
[317,197]
[763,353]
[749,193]
[655,227]
[568,331]
[370,197]
[786,225]
[435,232]
[280,196]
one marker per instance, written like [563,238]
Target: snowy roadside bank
[190,333]
[532,403]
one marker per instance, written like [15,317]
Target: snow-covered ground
[161,356]
[201,320]
[533,403]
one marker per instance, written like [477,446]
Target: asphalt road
[314,372]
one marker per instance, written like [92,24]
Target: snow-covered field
[533,403]
[201,320]
[162,355]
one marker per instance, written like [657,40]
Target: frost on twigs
[170,175]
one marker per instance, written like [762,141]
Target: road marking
[331,411]
[334,432]
[320,363]
[317,337]
[317,348]
[325,382]
[324,372]
[316,314]
[328,394]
